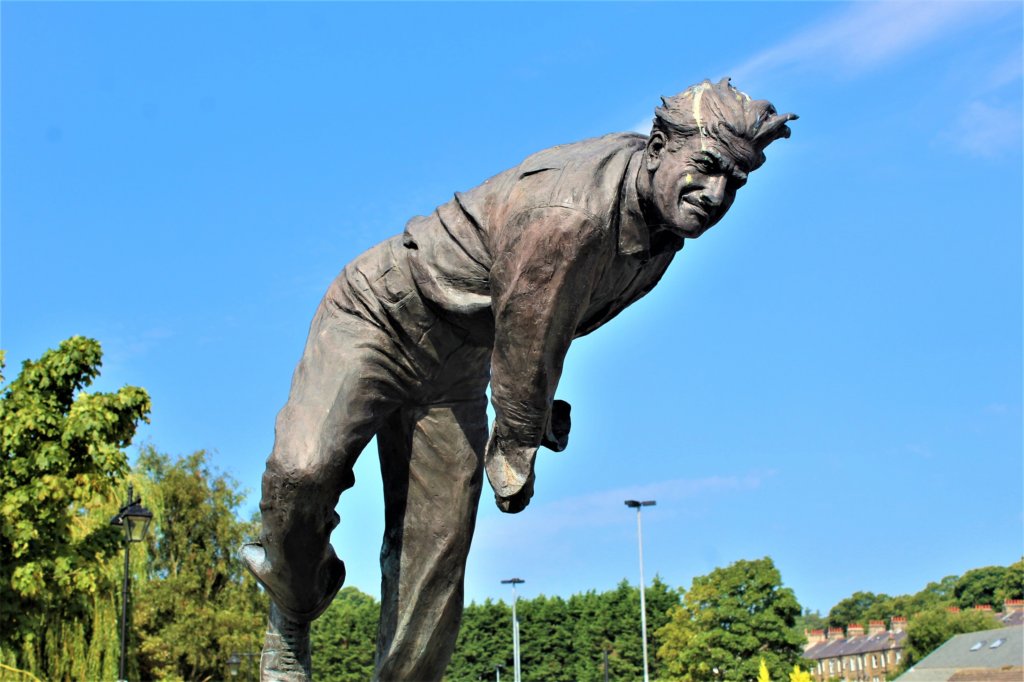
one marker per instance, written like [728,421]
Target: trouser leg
[343,389]
[431,461]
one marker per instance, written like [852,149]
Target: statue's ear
[655,149]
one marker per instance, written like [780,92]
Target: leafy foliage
[196,604]
[979,586]
[1013,584]
[856,608]
[811,620]
[344,637]
[62,457]
[799,675]
[729,620]
[563,640]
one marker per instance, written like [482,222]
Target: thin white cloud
[605,508]
[986,131]
[866,36]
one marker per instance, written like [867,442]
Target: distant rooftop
[987,655]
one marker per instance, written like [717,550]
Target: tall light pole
[135,519]
[634,504]
[517,672]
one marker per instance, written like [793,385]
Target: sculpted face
[689,186]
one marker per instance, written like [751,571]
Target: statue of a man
[492,287]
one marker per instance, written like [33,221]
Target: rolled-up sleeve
[542,279]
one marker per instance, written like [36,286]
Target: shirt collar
[634,237]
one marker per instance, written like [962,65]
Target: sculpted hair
[720,111]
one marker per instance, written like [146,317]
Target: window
[874,661]
[996,644]
[899,655]
[978,645]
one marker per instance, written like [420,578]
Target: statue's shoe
[331,577]
[286,654]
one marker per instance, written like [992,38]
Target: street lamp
[235,663]
[134,518]
[634,504]
[517,672]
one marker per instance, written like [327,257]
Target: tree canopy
[564,640]
[194,605]
[979,586]
[344,638]
[730,620]
[62,458]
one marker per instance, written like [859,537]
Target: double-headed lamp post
[134,518]
[634,504]
[517,672]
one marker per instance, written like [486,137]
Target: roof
[1011,618]
[851,646]
[987,654]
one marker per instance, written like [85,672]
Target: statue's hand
[510,472]
[556,435]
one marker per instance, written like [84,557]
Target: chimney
[983,607]
[814,637]
[953,609]
[1013,605]
[899,623]
[854,630]
[876,627]
[835,633]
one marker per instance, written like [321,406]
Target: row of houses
[873,655]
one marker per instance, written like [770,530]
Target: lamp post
[517,672]
[134,518]
[634,504]
[235,663]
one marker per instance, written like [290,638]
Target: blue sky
[831,376]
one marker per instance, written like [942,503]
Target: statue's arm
[541,283]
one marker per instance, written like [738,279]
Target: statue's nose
[714,191]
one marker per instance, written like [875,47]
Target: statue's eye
[704,163]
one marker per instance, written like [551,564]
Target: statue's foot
[331,577]
[286,655]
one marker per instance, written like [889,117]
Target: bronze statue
[492,287]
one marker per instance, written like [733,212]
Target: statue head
[704,143]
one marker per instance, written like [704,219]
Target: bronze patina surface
[491,288]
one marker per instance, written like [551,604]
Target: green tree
[62,462]
[799,675]
[811,620]
[563,640]
[728,620]
[928,630]
[979,586]
[857,607]
[196,605]
[485,642]
[1012,586]
[610,622]
[344,638]
[545,634]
